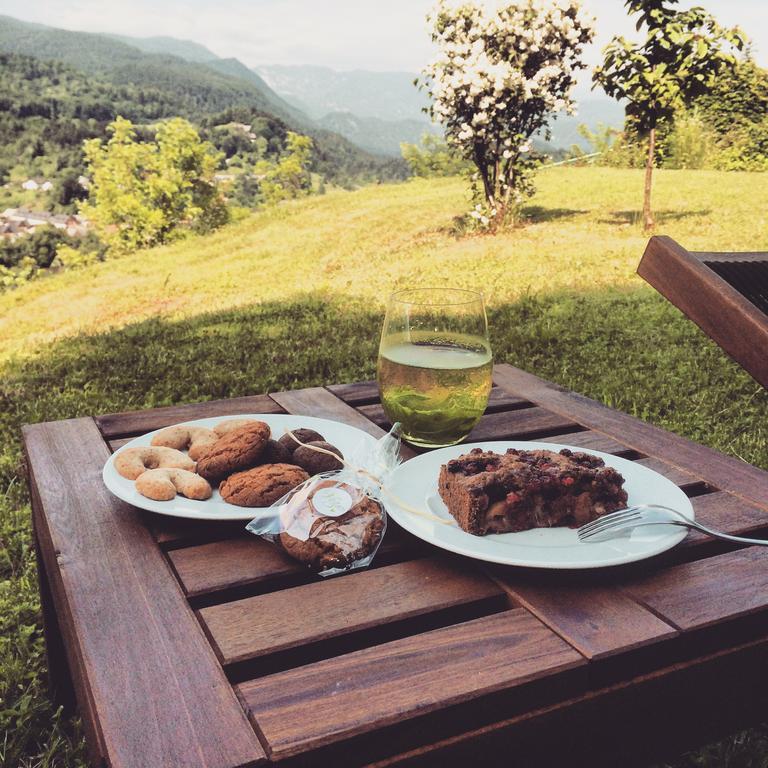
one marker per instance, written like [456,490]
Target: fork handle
[725,536]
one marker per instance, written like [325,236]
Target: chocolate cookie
[274,453]
[305,435]
[314,461]
[333,541]
[260,486]
[234,451]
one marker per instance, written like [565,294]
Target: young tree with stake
[683,52]
[500,74]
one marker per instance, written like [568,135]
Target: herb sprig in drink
[435,364]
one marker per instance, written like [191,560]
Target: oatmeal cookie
[234,451]
[261,486]
[163,484]
[315,462]
[133,462]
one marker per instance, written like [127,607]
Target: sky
[341,34]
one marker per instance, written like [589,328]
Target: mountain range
[375,111]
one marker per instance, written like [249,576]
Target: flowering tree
[498,77]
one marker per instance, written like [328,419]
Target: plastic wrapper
[335,521]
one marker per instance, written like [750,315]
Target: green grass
[293,297]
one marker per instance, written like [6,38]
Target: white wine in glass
[435,364]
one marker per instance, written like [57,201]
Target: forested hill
[164,85]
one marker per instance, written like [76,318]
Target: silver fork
[639,515]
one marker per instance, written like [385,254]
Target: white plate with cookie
[172,469]
[415,485]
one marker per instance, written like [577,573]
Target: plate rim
[243,514]
[410,524]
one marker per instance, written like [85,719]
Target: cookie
[163,484]
[274,453]
[234,451]
[315,462]
[261,486]
[132,462]
[195,439]
[322,541]
[229,424]
[305,435]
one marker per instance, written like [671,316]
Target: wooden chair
[725,294]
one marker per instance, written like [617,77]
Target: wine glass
[435,364]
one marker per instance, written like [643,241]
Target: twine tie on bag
[393,497]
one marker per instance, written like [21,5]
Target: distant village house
[35,184]
[17,222]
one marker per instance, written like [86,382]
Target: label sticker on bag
[331,502]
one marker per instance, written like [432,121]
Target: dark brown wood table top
[195,644]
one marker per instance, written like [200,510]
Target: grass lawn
[293,297]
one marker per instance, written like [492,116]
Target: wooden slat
[719,309]
[717,469]
[231,564]
[251,562]
[175,532]
[117,425]
[706,592]
[333,700]
[360,393]
[597,621]
[316,612]
[685,480]
[588,439]
[676,708]
[128,617]
[525,424]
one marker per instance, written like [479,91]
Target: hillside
[184,49]
[197,90]
[363,244]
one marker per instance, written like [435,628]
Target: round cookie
[163,484]
[229,424]
[196,439]
[274,453]
[334,542]
[261,486]
[234,451]
[132,462]
[305,435]
[315,462]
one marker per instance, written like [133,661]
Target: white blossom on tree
[502,70]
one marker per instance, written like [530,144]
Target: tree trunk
[648,222]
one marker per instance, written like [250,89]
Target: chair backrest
[725,294]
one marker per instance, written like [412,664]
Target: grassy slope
[362,244]
[293,297]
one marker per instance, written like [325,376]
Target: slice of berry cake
[489,492]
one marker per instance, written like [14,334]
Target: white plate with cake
[519,503]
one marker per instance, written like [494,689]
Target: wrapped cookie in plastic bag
[335,521]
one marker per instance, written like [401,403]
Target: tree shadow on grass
[661,217]
[534,214]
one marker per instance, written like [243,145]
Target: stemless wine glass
[435,364]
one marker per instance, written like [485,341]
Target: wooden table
[194,644]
